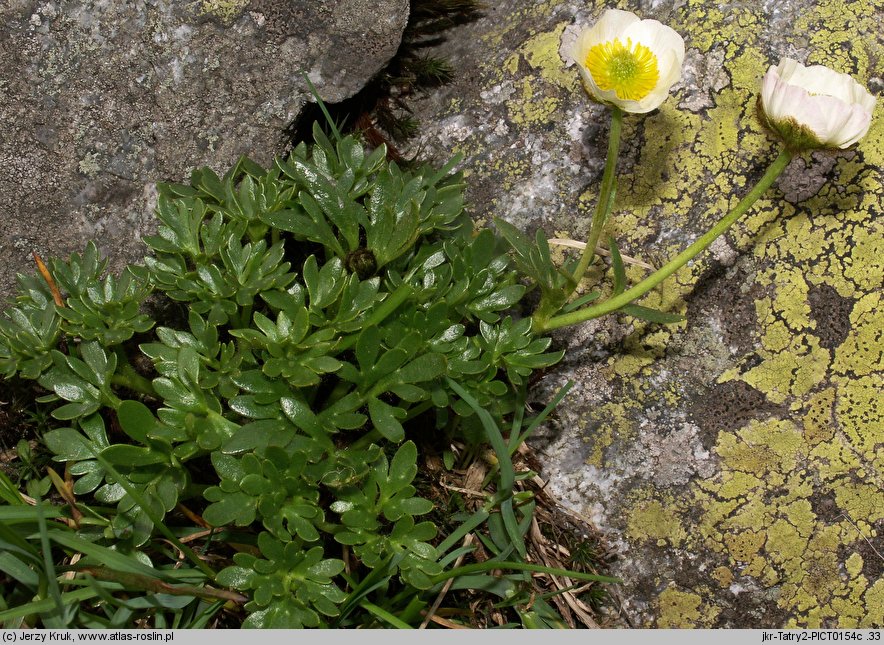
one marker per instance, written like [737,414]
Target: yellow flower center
[631,71]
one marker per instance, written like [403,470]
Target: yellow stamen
[630,70]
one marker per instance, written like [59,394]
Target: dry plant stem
[467,541]
[193,517]
[41,267]
[603,207]
[446,623]
[548,552]
[574,244]
[581,315]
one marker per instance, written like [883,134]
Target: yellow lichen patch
[680,610]
[872,149]
[759,510]
[764,449]
[832,28]
[650,183]
[874,600]
[226,10]
[795,370]
[861,417]
[534,106]
[723,576]
[651,520]
[854,565]
[819,420]
[720,133]
[613,423]
[511,64]
[745,545]
[862,352]
[542,53]
[865,262]
[793,362]
[863,501]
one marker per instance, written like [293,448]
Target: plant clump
[340,311]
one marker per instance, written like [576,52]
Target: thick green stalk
[572,318]
[128,378]
[603,207]
[390,304]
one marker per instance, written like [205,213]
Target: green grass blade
[384,615]
[8,492]
[325,112]
[651,315]
[107,557]
[507,473]
[582,300]
[46,604]
[473,522]
[490,565]
[375,579]
[540,418]
[503,587]
[18,570]
[62,619]
[157,521]
[27,513]
[518,419]
[617,266]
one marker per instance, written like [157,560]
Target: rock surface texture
[100,99]
[735,459]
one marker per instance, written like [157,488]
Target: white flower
[628,62]
[814,107]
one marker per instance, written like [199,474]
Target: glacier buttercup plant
[628,62]
[630,65]
[814,107]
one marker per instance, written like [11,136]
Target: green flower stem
[389,305]
[572,318]
[128,378]
[370,437]
[386,308]
[603,207]
[245,316]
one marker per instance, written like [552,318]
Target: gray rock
[734,460]
[99,100]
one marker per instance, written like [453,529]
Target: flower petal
[657,37]
[613,24]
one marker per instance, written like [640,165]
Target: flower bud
[814,107]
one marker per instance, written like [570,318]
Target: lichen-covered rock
[734,459]
[101,99]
